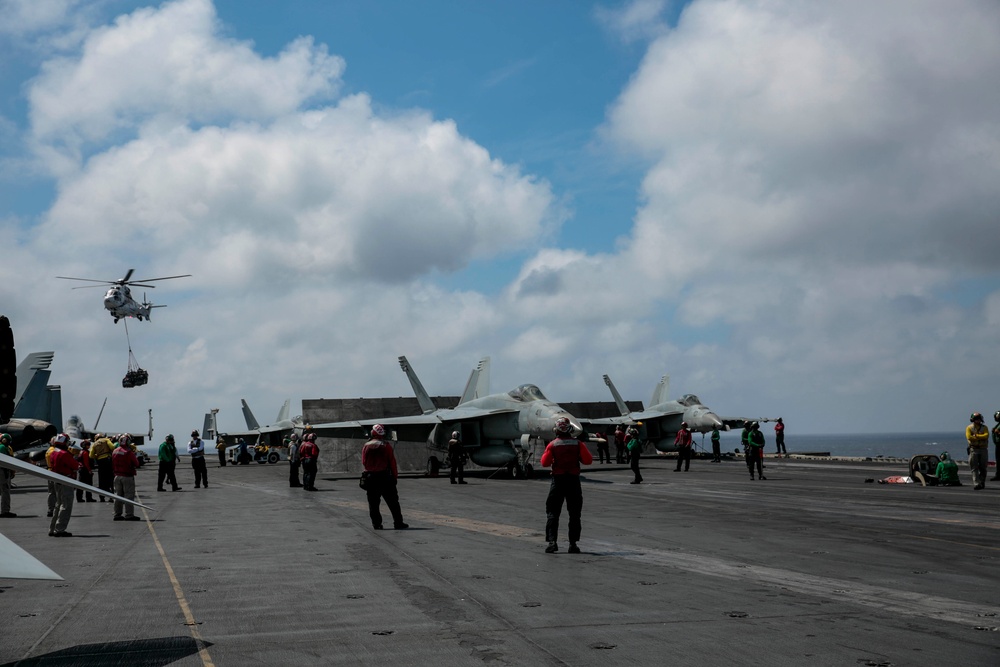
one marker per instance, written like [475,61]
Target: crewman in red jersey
[564,454]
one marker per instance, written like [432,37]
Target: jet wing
[733,423]
[415,428]
[16,563]
[11,463]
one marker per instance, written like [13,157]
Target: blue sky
[753,197]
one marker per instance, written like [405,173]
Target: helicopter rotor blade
[151,280]
[127,276]
[89,280]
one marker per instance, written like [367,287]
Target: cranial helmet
[562,425]
[684,424]
[5,438]
[295,436]
[62,440]
[194,433]
[170,437]
[754,426]
[996,416]
[976,417]
[945,456]
[310,437]
[455,435]
[378,431]
[124,439]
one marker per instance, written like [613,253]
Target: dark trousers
[716,451]
[105,475]
[166,471]
[563,488]
[222,458]
[779,441]
[200,471]
[619,452]
[87,477]
[308,474]
[603,453]
[754,459]
[293,473]
[457,468]
[634,464]
[382,485]
[683,456]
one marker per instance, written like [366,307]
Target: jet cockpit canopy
[689,400]
[526,393]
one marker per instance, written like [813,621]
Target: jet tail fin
[479,382]
[423,399]
[32,400]
[283,412]
[248,416]
[622,408]
[662,392]
[210,430]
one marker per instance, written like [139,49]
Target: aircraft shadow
[135,653]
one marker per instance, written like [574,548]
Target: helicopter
[118,299]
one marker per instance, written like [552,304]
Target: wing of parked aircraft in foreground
[16,563]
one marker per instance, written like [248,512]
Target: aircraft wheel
[433,466]
[273,457]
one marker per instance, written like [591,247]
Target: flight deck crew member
[82,455]
[62,462]
[996,445]
[309,456]
[634,449]
[220,447]
[683,442]
[53,495]
[196,448]
[456,456]
[619,444]
[379,462]
[100,453]
[779,438]
[947,471]
[755,450]
[564,454]
[5,477]
[168,464]
[716,446]
[603,449]
[979,449]
[294,461]
[124,462]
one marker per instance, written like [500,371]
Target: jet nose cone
[708,421]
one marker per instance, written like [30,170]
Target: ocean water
[901,445]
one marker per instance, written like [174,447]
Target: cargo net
[135,376]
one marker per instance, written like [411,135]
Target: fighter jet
[660,422]
[495,428]
[270,435]
[37,413]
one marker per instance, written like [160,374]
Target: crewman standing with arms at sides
[683,442]
[755,450]
[634,448]
[62,463]
[716,446]
[168,464]
[309,456]
[456,456]
[779,438]
[196,448]
[619,444]
[996,445]
[125,463]
[82,455]
[979,449]
[294,461]
[564,454]
[100,453]
[379,462]
[220,448]
[5,477]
